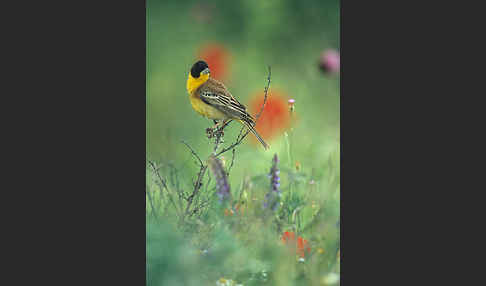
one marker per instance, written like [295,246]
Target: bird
[210,98]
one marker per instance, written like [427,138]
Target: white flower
[226,282]
[329,279]
[222,282]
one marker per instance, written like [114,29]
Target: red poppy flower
[301,245]
[288,237]
[217,58]
[275,118]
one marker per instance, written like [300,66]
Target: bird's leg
[216,124]
[226,122]
[211,131]
[223,125]
[217,129]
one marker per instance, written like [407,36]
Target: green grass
[245,247]
[242,246]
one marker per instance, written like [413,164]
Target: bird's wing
[224,102]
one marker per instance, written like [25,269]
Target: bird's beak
[205,71]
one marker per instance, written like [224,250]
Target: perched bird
[210,98]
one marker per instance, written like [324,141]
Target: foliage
[193,237]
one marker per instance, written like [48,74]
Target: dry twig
[151,204]
[193,152]
[198,184]
[156,171]
[239,140]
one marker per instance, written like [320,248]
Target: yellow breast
[204,109]
[200,106]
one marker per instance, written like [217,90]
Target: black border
[76,171]
[397,104]
[77,183]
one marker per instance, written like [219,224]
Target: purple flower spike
[222,185]
[272,197]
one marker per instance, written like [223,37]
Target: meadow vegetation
[245,215]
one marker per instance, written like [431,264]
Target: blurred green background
[289,36]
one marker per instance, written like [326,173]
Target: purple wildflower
[271,198]
[219,173]
[330,61]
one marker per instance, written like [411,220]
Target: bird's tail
[252,129]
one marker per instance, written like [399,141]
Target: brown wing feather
[215,94]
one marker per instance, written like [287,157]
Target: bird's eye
[199,68]
[205,71]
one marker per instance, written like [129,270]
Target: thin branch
[241,132]
[217,142]
[198,184]
[174,181]
[193,152]
[156,171]
[219,134]
[151,204]
[197,187]
[266,92]
[256,119]
[232,160]
[234,149]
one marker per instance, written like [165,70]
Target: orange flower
[301,246]
[275,118]
[228,212]
[298,166]
[237,209]
[288,237]
[218,59]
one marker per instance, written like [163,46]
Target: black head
[197,68]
